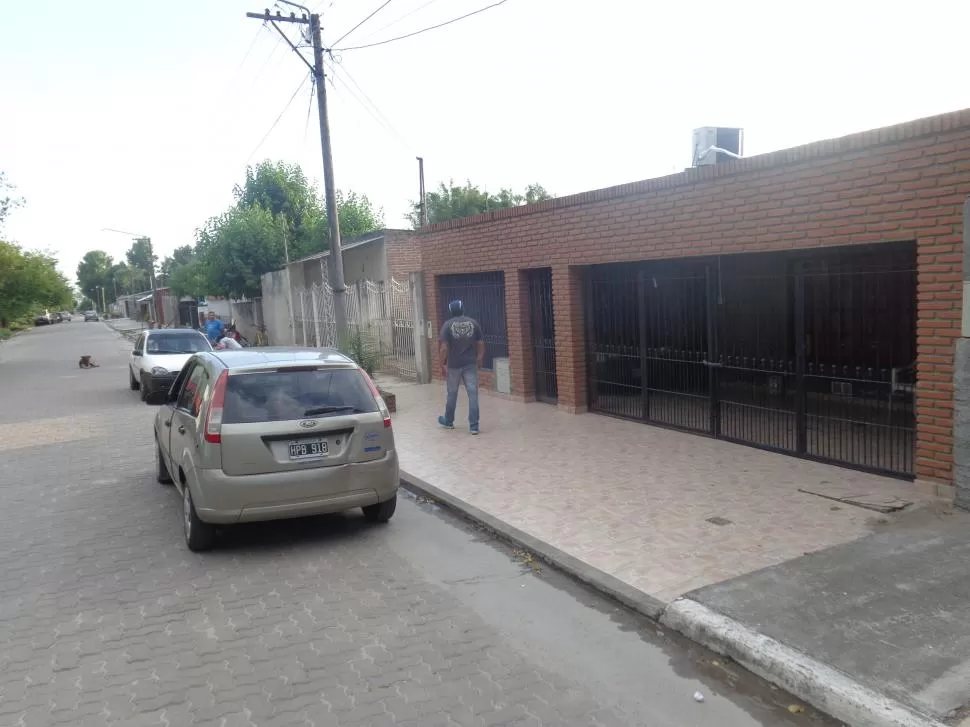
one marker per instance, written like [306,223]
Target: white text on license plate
[309,448]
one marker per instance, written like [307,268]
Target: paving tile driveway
[106,618]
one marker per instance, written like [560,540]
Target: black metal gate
[543,335]
[811,353]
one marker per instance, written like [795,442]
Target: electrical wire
[370,107]
[309,108]
[424,30]
[275,123]
[395,22]
[386,3]
[250,49]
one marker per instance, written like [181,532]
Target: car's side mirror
[136,352]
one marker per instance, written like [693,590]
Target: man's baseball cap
[455,307]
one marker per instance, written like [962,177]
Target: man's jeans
[468,375]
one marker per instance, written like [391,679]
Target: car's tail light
[381,406]
[213,419]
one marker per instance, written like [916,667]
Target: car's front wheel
[199,535]
[145,387]
[161,469]
[381,512]
[132,381]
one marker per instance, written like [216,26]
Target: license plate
[309,448]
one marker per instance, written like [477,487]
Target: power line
[395,22]
[386,3]
[375,114]
[425,30]
[309,108]
[270,131]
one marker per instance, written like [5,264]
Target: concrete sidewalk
[712,538]
[890,612]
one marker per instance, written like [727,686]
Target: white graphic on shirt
[462,329]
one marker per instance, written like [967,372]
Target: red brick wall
[905,182]
[403,253]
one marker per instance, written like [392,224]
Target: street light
[151,262]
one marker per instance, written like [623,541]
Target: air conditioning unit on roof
[716,145]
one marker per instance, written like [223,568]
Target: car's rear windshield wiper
[330,410]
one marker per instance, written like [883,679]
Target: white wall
[276,309]
[220,307]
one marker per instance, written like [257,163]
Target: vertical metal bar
[801,428]
[712,373]
[591,393]
[642,301]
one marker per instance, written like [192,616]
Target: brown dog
[86,362]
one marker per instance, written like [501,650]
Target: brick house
[805,301]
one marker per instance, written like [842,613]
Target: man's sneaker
[444,423]
[473,429]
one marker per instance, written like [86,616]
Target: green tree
[95,270]
[188,279]
[8,203]
[237,248]
[356,215]
[451,201]
[141,260]
[180,256]
[29,281]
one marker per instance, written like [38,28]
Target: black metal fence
[543,335]
[809,352]
[483,295]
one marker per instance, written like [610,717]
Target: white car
[159,355]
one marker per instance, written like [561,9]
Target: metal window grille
[483,295]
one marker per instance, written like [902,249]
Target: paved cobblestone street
[107,619]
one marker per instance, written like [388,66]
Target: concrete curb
[594,577]
[818,684]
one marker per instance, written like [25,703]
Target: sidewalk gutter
[818,684]
[822,686]
[603,582]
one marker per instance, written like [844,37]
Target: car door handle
[181,430]
[168,423]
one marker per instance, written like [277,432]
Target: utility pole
[423,197]
[336,266]
[289,285]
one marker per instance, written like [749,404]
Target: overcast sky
[142,115]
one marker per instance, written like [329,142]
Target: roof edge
[858,141]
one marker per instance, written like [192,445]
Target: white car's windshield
[176,343]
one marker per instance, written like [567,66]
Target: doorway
[543,335]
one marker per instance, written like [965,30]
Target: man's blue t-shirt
[214,329]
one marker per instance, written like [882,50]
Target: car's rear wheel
[161,469]
[133,382]
[381,512]
[199,535]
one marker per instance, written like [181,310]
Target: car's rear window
[282,395]
[188,342]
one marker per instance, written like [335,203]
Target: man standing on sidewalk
[461,351]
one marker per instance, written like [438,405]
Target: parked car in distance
[158,356]
[42,319]
[66,316]
[90,316]
[265,434]
[56,318]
